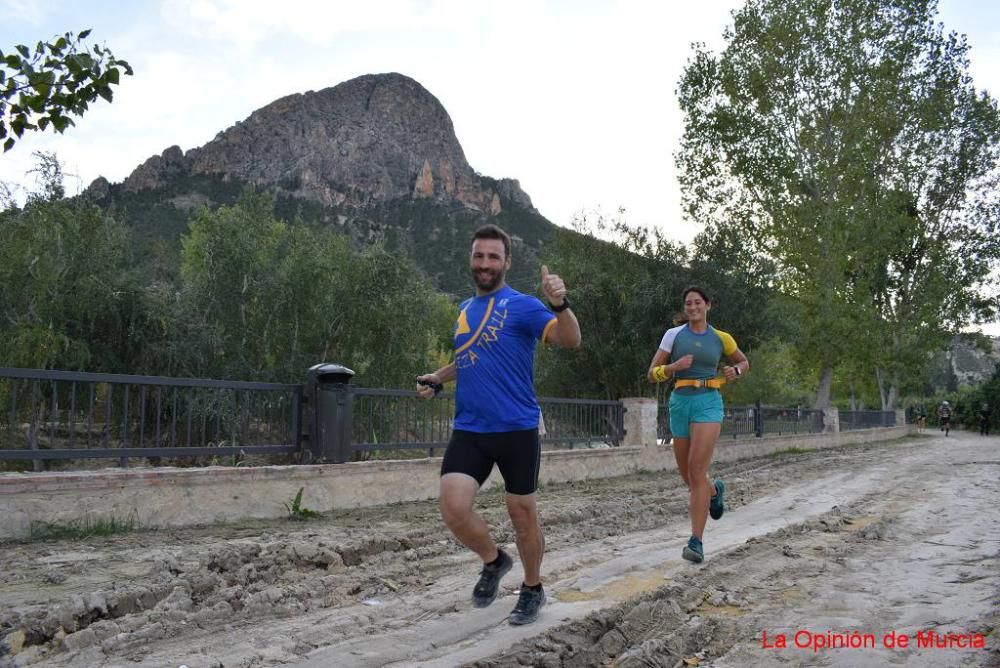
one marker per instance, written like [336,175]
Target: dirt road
[817,549]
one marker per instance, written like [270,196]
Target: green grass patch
[789,451]
[297,511]
[84,527]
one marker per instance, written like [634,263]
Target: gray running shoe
[694,550]
[528,604]
[486,589]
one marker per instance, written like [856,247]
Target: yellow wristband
[660,373]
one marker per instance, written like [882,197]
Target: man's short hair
[492,231]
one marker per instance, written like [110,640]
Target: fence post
[758,420]
[336,433]
[639,421]
[831,420]
[900,418]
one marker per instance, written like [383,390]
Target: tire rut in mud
[708,609]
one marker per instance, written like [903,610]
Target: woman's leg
[682,447]
[702,446]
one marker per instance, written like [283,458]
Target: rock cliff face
[970,364]
[372,139]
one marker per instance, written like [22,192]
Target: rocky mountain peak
[372,139]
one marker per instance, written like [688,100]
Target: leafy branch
[44,87]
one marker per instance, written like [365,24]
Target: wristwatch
[562,307]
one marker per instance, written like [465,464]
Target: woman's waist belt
[713,383]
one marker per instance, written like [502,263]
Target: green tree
[66,297]
[267,299]
[844,139]
[775,379]
[56,80]
[740,281]
[389,321]
[625,293]
[626,283]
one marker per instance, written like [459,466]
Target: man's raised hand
[553,287]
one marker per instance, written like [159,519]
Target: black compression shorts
[516,453]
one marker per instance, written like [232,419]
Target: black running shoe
[528,604]
[489,581]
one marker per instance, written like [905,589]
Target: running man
[497,414]
[691,353]
[944,417]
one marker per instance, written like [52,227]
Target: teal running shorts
[688,408]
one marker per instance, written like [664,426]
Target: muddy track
[706,613]
[330,591]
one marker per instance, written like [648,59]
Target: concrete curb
[171,497]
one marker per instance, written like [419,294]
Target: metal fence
[754,421]
[586,422]
[866,419]
[67,415]
[791,421]
[400,420]
[50,415]
[59,415]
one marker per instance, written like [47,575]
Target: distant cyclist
[944,417]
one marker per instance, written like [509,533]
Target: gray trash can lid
[324,368]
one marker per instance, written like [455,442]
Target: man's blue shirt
[495,338]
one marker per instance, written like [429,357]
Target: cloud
[29,12]
[315,21]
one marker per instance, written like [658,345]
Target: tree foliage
[623,292]
[65,291]
[845,140]
[55,81]
[969,403]
[272,298]
[626,286]
[255,297]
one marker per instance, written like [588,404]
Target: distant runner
[944,417]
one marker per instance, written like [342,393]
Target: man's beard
[487,281]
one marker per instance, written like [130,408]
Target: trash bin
[330,403]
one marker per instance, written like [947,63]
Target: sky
[574,98]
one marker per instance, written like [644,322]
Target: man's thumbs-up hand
[553,287]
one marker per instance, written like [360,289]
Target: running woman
[691,353]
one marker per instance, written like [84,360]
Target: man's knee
[458,494]
[523,512]
[454,512]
